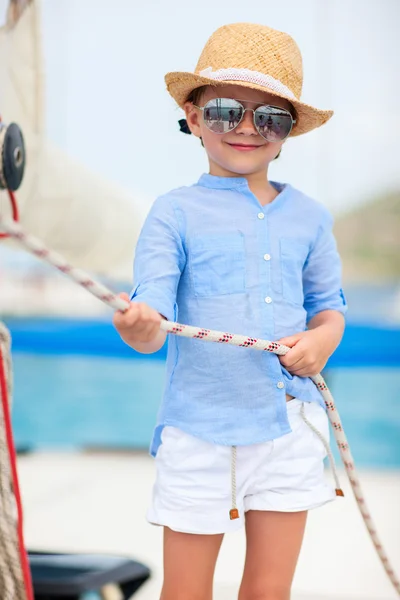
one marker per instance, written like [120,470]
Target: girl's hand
[139,326]
[309,353]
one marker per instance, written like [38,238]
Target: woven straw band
[250,77]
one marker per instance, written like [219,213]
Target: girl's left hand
[309,352]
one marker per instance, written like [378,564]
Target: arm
[310,350]
[330,324]
[325,305]
[159,261]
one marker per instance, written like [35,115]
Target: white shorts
[193,493]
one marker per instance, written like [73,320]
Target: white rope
[234,513]
[40,250]
[325,444]
[11,575]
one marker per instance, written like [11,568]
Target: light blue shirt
[212,256]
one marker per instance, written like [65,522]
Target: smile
[243,147]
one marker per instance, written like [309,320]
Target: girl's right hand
[138,325]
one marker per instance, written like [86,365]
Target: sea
[102,396]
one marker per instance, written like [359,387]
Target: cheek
[273,149]
[212,141]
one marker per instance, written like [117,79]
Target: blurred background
[85,82]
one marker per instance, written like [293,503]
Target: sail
[91,221]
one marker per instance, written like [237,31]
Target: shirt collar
[231,183]
[221,183]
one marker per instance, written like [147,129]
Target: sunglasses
[222,115]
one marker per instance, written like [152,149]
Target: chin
[243,169]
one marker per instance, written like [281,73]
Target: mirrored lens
[274,124]
[222,114]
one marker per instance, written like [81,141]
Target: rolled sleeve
[159,260]
[322,274]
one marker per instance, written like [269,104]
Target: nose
[246,125]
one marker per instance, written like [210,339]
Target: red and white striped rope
[15,578]
[39,249]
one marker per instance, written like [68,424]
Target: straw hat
[252,56]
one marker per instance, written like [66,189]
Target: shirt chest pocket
[293,255]
[217,264]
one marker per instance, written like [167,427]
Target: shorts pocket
[183,452]
[293,256]
[305,440]
[293,414]
[316,415]
[217,264]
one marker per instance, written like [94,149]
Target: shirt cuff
[157,301]
[337,303]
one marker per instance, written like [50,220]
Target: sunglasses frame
[253,110]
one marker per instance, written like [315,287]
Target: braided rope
[101,292]
[234,512]
[324,443]
[12,586]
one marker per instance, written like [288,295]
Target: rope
[234,512]
[14,209]
[101,292]
[15,579]
[326,446]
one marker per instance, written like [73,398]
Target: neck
[258,182]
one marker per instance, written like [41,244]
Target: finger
[148,321]
[307,370]
[151,331]
[292,358]
[304,372]
[305,367]
[128,318]
[123,296]
[147,324]
[290,341]
[300,365]
[148,314]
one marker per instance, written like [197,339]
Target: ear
[193,116]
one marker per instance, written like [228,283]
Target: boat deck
[96,502]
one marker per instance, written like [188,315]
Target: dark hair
[194,97]
[196,94]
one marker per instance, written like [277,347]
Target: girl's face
[241,151]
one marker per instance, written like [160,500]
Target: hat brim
[181,83]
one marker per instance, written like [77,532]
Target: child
[239,253]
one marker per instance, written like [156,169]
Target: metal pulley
[12,156]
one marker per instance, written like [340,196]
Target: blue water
[82,401]
[361,346]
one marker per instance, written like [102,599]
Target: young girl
[239,253]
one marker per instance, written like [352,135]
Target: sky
[107,105]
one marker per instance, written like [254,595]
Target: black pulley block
[12,156]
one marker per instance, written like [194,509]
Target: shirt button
[267,257]
[260,215]
[280,385]
[268,300]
